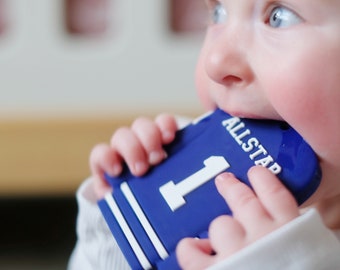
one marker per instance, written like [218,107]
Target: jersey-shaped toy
[149,215]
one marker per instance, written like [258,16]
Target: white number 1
[174,193]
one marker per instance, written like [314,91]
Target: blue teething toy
[149,215]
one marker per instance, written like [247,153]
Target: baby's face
[267,59]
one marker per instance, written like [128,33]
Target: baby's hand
[255,214]
[139,146]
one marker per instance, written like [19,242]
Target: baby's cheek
[307,114]
[292,93]
[203,87]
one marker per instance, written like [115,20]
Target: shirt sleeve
[96,248]
[304,243]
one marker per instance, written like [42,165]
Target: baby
[260,59]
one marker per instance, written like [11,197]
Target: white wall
[45,70]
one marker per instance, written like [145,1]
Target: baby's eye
[219,14]
[281,17]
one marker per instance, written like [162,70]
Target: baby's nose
[227,59]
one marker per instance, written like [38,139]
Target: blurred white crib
[131,60]
[66,83]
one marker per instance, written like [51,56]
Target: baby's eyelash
[280,16]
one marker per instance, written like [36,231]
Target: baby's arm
[139,146]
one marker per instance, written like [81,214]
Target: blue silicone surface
[201,151]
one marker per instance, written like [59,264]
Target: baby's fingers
[243,202]
[104,159]
[150,137]
[226,235]
[194,254]
[167,126]
[275,197]
[128,147]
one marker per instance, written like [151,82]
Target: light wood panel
[50,156]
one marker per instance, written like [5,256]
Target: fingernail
[116,169]
[140,167]
[156,157]
[224,176]
[168,136]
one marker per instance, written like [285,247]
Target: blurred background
[71,71]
